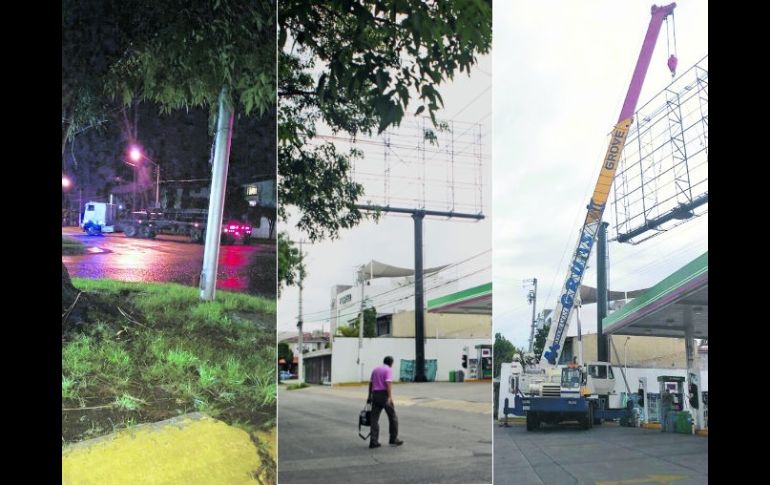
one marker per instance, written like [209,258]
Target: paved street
[604,455]
[446,427]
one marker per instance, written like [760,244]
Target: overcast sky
[467,99]
[561,73]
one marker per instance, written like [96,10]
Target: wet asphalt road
[248,269]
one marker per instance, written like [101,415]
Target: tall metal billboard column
[601,292]
[419,308]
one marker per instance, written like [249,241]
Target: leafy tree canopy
[540,337]
[370,325]
[353,67]
[502,351]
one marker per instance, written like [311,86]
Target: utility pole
[580,333]
[80,204]
[300,361]
[532,298]
[157,185]
[361,327]
[216,199]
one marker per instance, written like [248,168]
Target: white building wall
[263,231]
[447,352]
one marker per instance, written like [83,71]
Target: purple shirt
[381,375]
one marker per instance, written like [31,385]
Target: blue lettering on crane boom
[567,298]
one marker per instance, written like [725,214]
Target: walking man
[381,397]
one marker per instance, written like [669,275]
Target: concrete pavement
[604,455]
[446,427]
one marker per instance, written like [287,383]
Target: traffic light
[465,361]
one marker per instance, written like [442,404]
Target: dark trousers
[380,402]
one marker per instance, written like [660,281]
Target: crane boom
[595,209]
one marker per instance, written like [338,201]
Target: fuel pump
[671,398]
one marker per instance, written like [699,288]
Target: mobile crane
[545,391]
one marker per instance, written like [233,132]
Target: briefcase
[365,420]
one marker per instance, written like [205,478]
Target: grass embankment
[70,246]
[170,354]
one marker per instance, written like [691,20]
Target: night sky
[181,143]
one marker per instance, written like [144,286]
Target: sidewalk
[467,397]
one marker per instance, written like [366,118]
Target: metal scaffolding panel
[662,180]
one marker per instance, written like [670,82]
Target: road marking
[660,479]
[454,405]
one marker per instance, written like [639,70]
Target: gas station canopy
[662,310]
[475,301]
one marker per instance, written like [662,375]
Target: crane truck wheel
[532,422]
[596,420]
[130,231]
[144,231]
[589,418]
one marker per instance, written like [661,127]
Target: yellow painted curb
[659,479]
[702,432]
[652,426]
[516,421]
[192,448]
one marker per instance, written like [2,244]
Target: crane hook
[672,64]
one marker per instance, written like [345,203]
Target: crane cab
[600,379]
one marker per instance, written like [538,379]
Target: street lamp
[135,154]
[66,185]
[625,358]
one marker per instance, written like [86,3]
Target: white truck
[102,217]
[99,217]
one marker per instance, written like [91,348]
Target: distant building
[640,351]
[437,325]
[311,341]
[543,318]
[260,193]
